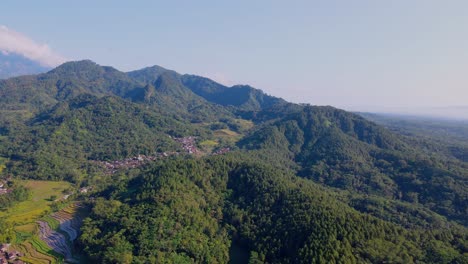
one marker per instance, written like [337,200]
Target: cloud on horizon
[15,42]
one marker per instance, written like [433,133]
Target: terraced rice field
[37,252]
[227,134]
[61,239]
[44,239]
[28,212]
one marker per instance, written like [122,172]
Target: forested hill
[186,211]
[184,169]
[191,96]
[343,150]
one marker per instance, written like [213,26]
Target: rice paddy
[27,212]
[25,215]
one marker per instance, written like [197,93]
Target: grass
[2,164]
[208,143]
[36,251]
[227,135]
[32,255]
[27,228]
[53,223]
[245,124]
[27,212]
[41,247]
[225,132]
[22,236]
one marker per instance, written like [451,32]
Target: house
[3,260]
[13,255]
[4,247]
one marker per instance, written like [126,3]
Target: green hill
[196,210]
[343,150]
[271,182]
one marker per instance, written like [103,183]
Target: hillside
[442,136]
[199,210]
[183,169]
[345,151]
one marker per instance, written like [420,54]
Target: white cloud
[15,42]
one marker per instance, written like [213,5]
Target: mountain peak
[86,69]
[77,66]
[149,74]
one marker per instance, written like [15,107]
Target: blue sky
[358,55]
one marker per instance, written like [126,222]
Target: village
[4,187]
[221,151]
[188,144]
[9,256]
[112,167]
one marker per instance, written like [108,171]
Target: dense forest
[230,174]
[196,210]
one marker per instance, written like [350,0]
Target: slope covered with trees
[235,174]
[343,150]
[195,210]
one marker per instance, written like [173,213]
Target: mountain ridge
[73,78]
[230,166]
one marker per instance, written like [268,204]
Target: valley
[153,166]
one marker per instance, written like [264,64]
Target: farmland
[27,212]
[25,215]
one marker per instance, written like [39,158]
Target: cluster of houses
[9,256]
[112,166]
[221,151]
[3,187]
[85,189]
[188,144]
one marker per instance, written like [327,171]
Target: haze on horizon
[379,56]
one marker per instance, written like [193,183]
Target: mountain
[153,86]
[240,96]
[346,151]
[222,209]
[184,169]
[149,74]
[12,65]
[69,101]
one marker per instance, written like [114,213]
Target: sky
[360,55]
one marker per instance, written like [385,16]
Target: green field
[2,163]
[227,134]
[24,214]
[244,124]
